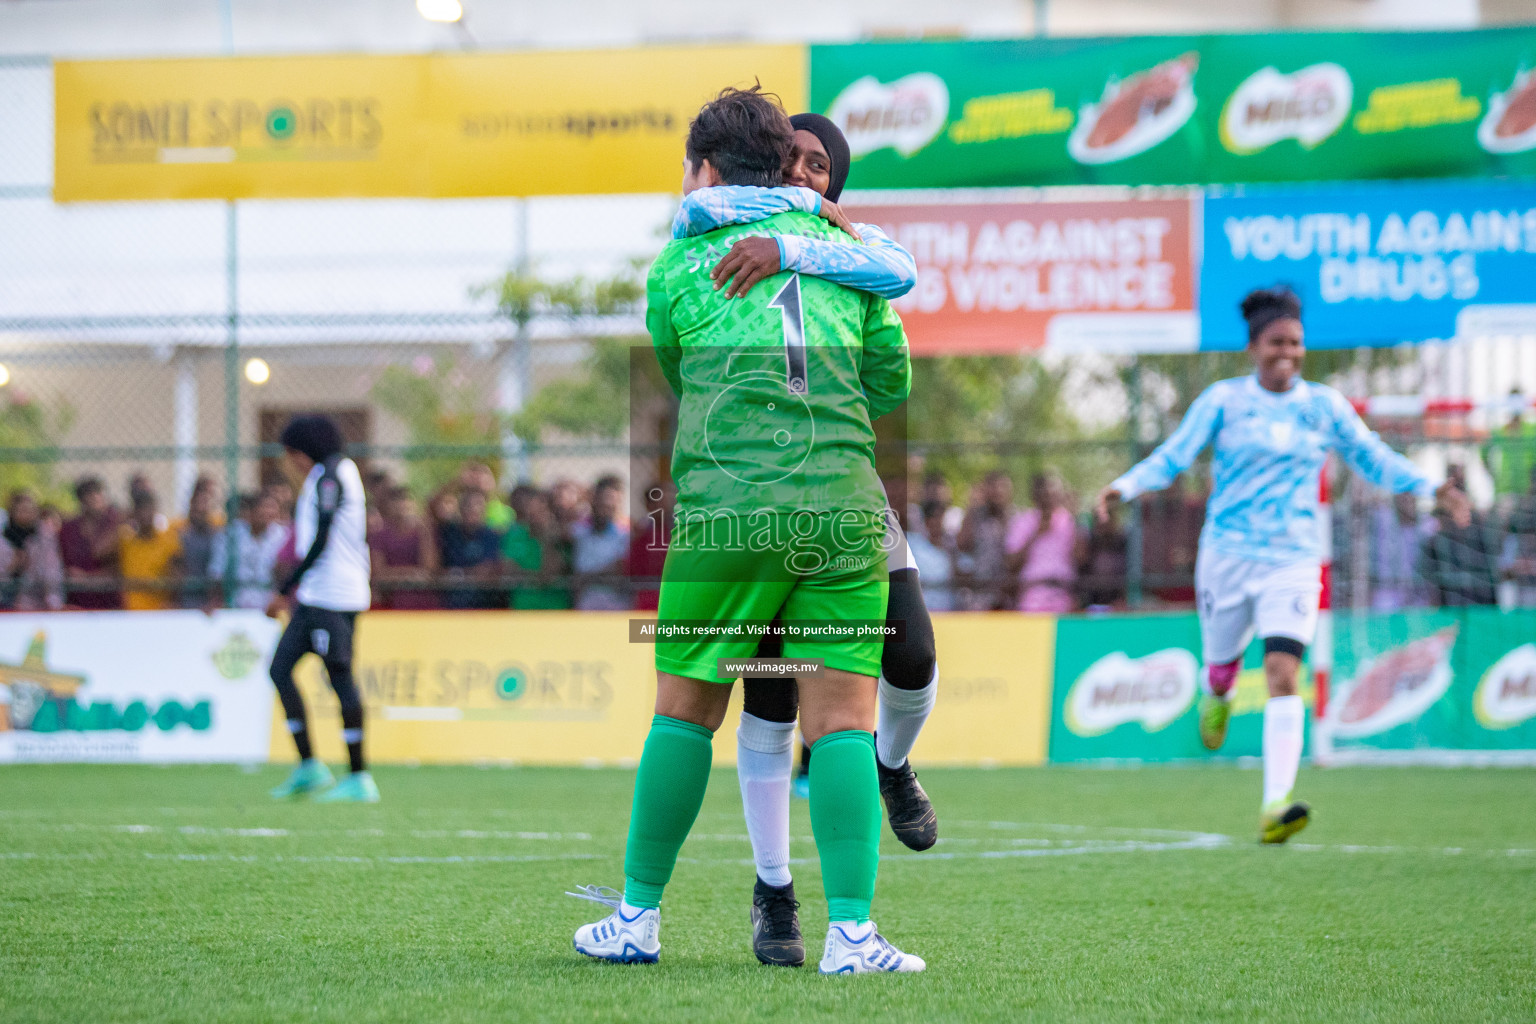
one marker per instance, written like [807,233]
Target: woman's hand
[1105,503]
[834,215]
[1455,503]
[750,260]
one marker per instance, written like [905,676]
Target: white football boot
[864,951]
[629,935]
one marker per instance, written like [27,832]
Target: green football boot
[1282,819]
[357,788]
[1215,713]
[310,776]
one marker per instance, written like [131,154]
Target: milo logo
[905,115]
[1308,106]
[1506,695]
[1394,688]
[1154,690]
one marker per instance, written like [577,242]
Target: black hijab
[834,143]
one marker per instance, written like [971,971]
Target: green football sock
[845,819]
[669,790]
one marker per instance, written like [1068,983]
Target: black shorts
[319,631]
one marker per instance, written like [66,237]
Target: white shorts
[1238,597]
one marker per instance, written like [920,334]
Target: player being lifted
[779,514]
[814,180]
[331,586]
[1258,565]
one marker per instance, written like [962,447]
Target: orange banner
[1107,275]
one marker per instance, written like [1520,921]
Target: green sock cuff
[846,736]
[661,723]
[843,908]
[642,894]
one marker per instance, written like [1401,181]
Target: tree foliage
[37,428]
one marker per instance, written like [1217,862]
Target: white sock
[902,716]
[1284,724]
[765,760]
[857,931]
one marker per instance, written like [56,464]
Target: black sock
[351,713]
[283,659]
[805,759]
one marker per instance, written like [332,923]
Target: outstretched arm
[1173,456]
[1367,454]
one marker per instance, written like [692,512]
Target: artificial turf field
[184,894]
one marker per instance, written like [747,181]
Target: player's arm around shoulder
[885,369]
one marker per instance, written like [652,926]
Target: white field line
[1067,840]
[234,858]
[279,833]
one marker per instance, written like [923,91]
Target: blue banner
[1374,264]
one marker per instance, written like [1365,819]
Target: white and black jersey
[330,532]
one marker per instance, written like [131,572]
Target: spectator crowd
[470,545]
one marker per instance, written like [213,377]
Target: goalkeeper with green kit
[779,515]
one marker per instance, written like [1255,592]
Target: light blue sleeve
[1176,454]
[707,209]
[879,266]
[1367,454]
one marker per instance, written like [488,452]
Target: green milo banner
[1419,684]
[1449,680]
[1126,688]
[1183,110]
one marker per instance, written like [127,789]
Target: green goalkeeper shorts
[724,573]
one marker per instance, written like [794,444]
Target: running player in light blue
[1259,564]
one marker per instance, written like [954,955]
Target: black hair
[316,436]
[608,480]
[1263,306]
[86,485]
[836,145]
[745,135]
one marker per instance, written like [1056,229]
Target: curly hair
[1263,306]
[745,135]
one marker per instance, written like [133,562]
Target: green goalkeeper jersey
[778,388]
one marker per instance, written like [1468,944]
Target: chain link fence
[475,345]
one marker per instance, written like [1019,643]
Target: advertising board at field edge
[1183,110]
[1113,274]
[135,687]
[1459,680]
[1374,264]
[1127,686]
[570,688]
[446,125]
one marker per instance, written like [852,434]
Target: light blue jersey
[879,266]
[1269,451]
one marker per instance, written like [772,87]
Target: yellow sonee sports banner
[569,688]
[479,124]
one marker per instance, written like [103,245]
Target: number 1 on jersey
[788,304]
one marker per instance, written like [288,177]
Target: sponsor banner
[1127,688]
[1379,264]
[1112,274]
[479,124]
[1461,679]
[135,686]
[1183,110]
[570,688]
